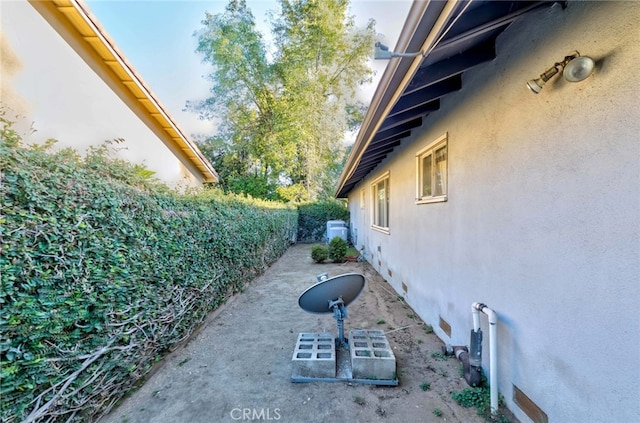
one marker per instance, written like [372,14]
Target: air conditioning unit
[337,228]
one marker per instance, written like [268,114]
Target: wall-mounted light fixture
[575,68]
[382,53]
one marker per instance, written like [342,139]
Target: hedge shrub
[319,253]
[337,249]
[103,270]
[313,217]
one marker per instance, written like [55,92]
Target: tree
[284,119]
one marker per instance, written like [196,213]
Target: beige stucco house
[466,187]
[63,77]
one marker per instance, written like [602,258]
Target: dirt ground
[237,367]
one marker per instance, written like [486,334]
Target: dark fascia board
[432,74]
[390,136]
[392,132]
[388,146]
[427,94]
[400,118]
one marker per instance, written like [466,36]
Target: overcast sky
[156,36]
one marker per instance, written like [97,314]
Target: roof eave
[81,30]
[397,75]
[411,89]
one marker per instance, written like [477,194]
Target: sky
[156,36]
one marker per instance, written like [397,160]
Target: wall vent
[389,272]
[446,327]
[404,287]
[530,408]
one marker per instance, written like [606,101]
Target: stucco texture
[541,221]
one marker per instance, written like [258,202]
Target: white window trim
[386,175]
[431,147]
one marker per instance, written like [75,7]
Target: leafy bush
[103,270]
[319,253]
[313,217]
[472,397]
[337,249]
[479,398]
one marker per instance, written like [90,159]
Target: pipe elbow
[491,315]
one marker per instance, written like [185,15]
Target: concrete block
[371,355]
[314,356]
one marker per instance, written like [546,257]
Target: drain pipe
[472,374]
[476,308]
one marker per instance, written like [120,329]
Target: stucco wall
[52,90]
[542,219]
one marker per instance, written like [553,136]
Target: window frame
[374,201]
[431,149]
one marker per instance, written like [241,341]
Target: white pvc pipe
[493,349]
[476,317]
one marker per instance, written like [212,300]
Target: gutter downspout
[370,127]
[476,308]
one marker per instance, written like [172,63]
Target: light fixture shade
[535,85]
[578,69]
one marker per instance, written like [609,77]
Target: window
[380,195]
[431,170]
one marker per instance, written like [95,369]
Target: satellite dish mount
[340,313]
[318,357]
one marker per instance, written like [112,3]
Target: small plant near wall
[439,356]
[478,397]
[337,249]
[319,253]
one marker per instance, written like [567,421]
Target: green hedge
[313,218]
[103,270]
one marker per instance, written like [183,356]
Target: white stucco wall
[542,219]
[51,89]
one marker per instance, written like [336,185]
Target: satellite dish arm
[339,313]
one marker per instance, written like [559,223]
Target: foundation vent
[530,408]
[446,327]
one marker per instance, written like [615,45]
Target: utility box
[337,228]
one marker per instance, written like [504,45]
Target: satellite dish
[319,297]
[314,359]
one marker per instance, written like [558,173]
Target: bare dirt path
[238,365]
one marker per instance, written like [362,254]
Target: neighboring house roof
[454,36]
[81,30]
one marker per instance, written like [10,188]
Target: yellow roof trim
[81,30]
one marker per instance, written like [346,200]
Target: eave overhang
[456,36]
[81,30]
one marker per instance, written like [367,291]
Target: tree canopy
[284,110]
